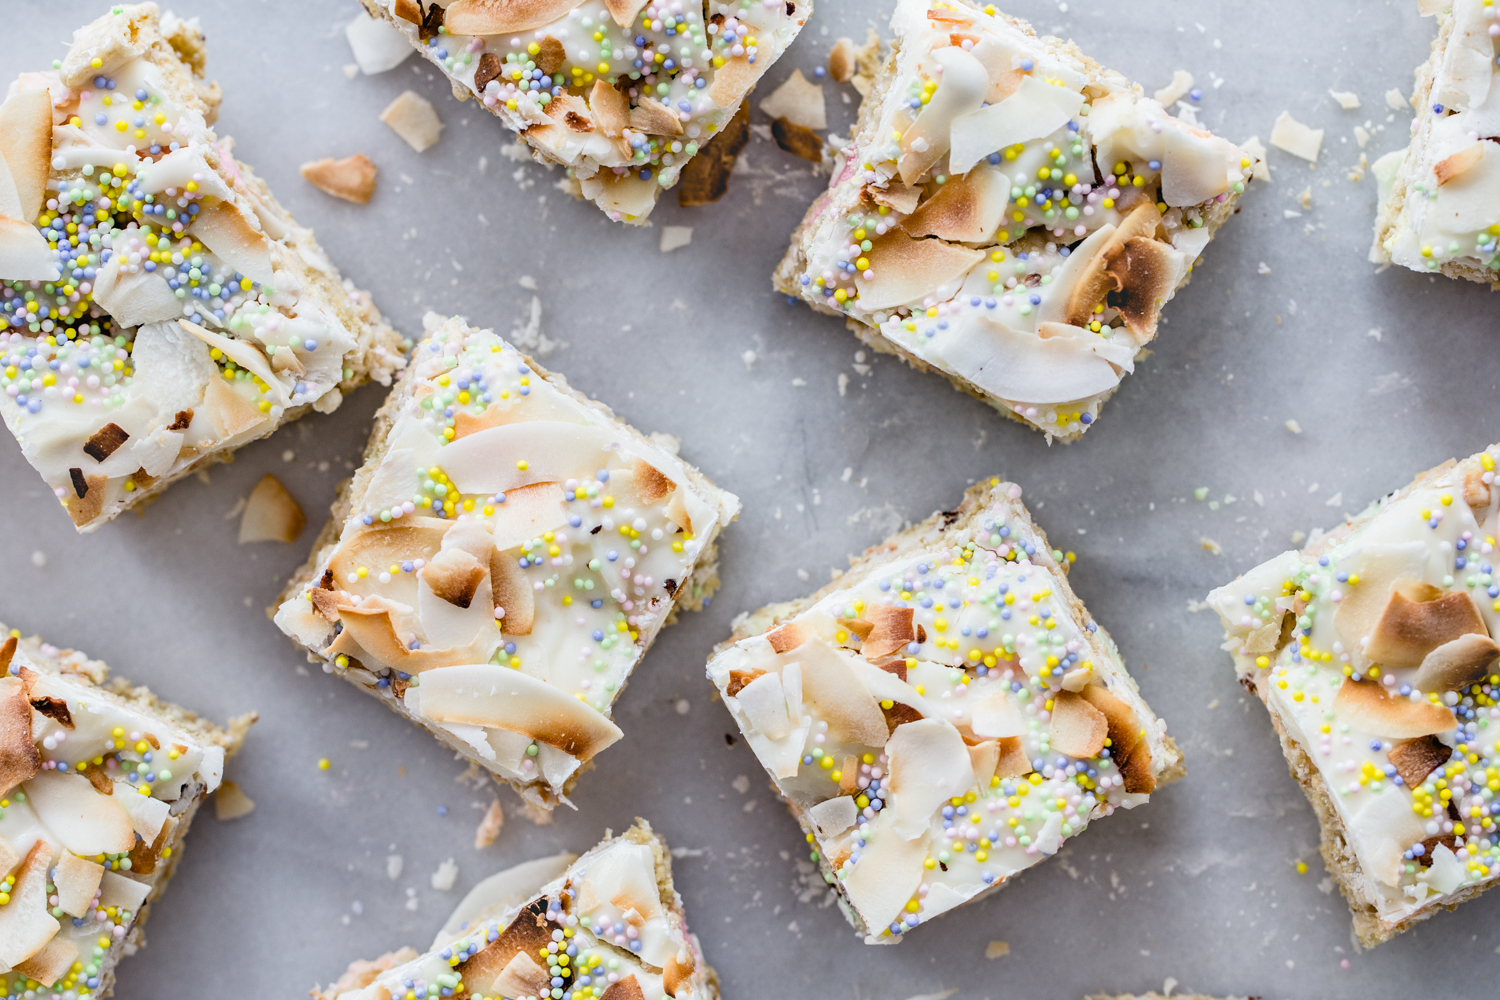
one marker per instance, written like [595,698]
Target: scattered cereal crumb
[1294,427]
[1348,99]
[1305,198]
[999,949]
[393,865]
[843,383]
[1211,546]
[741,783]
[1298,537]
[683,706]
[1263,268]
[445,876]
[748,357]
[1337,500]
[39,559]
[489,826]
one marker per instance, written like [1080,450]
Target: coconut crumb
[1305,198]
[1294,427]
[412,117]
[799,101]
[1348,99]
[230,802]
[675,237]
[393,865]
[1291,136]
[1396,101]
[1182,82]
[489,826]
[997,949]
[1211,546]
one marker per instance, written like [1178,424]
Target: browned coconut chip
[144,857]
[1078,728]
[859,626]
[611,109]
[26,145]
[788,637]
[1147,271]
[624,11]
[895,196]
[454,575]
[906,269]
[1366,707]
[890,630]
[1458,164]
[841,60]
[488,69]
[522,977]
[1456,664]
[651,484]
[370,631]
[899,714]
[328,603]
[512,594]
[502,17]
[1097,281]
[91,492]
[105,442]
[965,210]
[7,651]
[489,826]
[19,757]
[227,231]
[732,81]
[55,709]
[528,933]
[1416,759]
[271,514]
[706,176]
[626,989]
[48,965]
[550,55]
[1476,490]
[352,179]
[739,678]
[1013,761]
[1127,738]
[798,140]
[427,20]
[380,544]
[413,118]
[984,757]
[231,802]
[655,118]
[76,879]
[181,421]
[229,412]
[1416,620]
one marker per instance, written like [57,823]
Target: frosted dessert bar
[622,93]
[158,308]
[606,926]
[504,558]
[1371,649]
[99,782]
[944,715]
[1440,196]
[1010,214]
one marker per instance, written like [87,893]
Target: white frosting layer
[601,921]
[679,79]
[917,717]
[164,316]
[1451,188]
[1402,737]
[88,835]
[511,558]
[967,222]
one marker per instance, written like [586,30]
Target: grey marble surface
[1386,374]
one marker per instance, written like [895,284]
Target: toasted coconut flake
[352,178]
[1271,636]
[489,68]
[799,101]
[55,709]
[841,60]
[522,977]
[483,694]
[797,140]
[1296,138]
[380,544]
[489,826]
[625,989]
[1476,491]
[1034,110]
[1456,664]
[1128,747]
[503,17]
[7,651]
[145,856]
[890,630]
[370,631]
[655,118]
[984,758]
[906,269]
[1415,622]
[858,626]
[19,757]
[1182,82]
[831,686]
[1416,759]
[528,511]
[105,442]
[231,802]
[228,232]
[886,876]
[408,10]
[997,715]
[650,483]
[1013,761]
[789,636]
[413,118]
[1367,708]
[738,679]
[1096,281]
[77,879]
[454,575]
[677,973]
[528,933]
[1459,163]
[611,109]
[732,81]
[961,90]
[25,924]
[706,176]
[24,254]
[271,514]
[967,209]
[86,822]
[26,147]
[512,594]
[896,196]
[624,11]
[1078,728]
[929,764]
[91,492]
[1148,272]
[550,55]
[501,459]
[51,963]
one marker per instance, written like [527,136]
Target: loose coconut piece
[1078,728]
[1127,737]
[503,17]
[905,269]
[454,575]
[271,514]
[655,118]
[413,118]
[352,178]
[483,694]
[77,879]
[26,146]
[25,924]
[231,802]
[1146,272]
[610,108]
[797,139]
[841,60]
[967,209]
[1456,664]
[1417,619]
[51,963]
[86,822]
[19,757]
[890,630]
[1367,708]
[1416,759]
